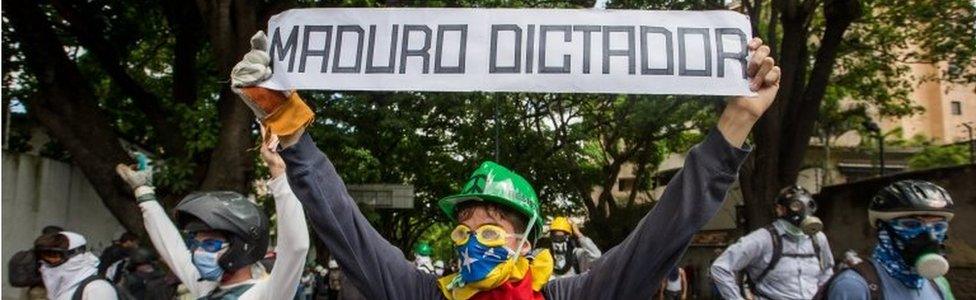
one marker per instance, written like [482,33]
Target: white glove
[255,67]
[134,178]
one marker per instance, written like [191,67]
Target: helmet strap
[525,237]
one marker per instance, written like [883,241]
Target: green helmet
[494,183]
[423,248]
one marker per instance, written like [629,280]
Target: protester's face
[210,241]
[481,216]
[780,210]
[133,244]
[919,222]
[51,257]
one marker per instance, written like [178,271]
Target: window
[956,108]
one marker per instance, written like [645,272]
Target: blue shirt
[851,286]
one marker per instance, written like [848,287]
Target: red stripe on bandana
[517,290]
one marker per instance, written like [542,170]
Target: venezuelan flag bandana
[506,277]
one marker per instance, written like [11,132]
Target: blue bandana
[887,253]
[477,260]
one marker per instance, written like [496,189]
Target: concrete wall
[843,209]
[38,192]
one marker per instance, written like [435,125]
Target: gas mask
[799,212]
[920,245]
[562,254]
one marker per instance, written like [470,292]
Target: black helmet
[246,225]
[909,197]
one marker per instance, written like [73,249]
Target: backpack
[80,291]
[777,241]
[228,294]
[24,270]
[869,273]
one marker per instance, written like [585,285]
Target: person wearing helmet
[572,252]
[112,262]
[144,279]
[227,236]
[69,270]
[911,219]
[421,257]
[787,259]
[497,213]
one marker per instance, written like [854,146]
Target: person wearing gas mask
[572,252]
[227,236]
[421,257]
[496,212]
[69,270]
[911,219]
[788,259]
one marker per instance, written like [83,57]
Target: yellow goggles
[488,235]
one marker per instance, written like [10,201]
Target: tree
[833,122]
[130,61]
[866,43]
[641,130]
[933,156]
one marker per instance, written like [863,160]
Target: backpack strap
[777,241]
[80,291]
[938,288]
[870,274]
[816,250]
[777,252]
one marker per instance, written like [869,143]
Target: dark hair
[128,237]
[465,209]
[51,229]
[51,241]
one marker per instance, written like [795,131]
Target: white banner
[510,50]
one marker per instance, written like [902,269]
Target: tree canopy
[103,77]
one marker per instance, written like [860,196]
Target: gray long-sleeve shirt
[631,270]
[791,278]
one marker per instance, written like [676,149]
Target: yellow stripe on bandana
[540,266]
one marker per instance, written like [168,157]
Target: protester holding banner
[228,236]
[498,211]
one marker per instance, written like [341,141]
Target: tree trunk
[230,25]
[66,106]
[783,134]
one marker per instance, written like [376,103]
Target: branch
[90,35]
[66,106]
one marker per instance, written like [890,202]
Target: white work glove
[135,179]
[255,67]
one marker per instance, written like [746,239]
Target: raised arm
[292,232]
[371,263]
[163,234]
[377,268]
[634,269]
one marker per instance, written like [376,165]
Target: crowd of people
[216,245]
